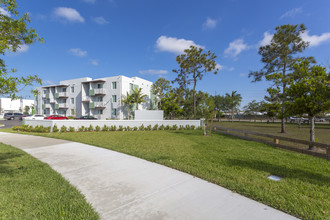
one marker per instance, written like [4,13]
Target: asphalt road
[10,123]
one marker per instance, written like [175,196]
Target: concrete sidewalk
[120,186]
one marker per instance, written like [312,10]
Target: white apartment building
[100,98]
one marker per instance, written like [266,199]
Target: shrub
[113,128]
[135,128]
[47,129]
[149,128]
[155,127]
[181,127]
[167,127]
[121,128]
[86,129]
[174,127]
[187,127]
[15,128]
[71,129]
[90,128]
[141,128]
[128,128]
[192,127]
[105,128]
[64,128]
[71,117]
[55,128]
[97,128]
[82,128]
[161,127]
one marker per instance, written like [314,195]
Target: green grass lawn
[239,165]
[322,131]
[30,189]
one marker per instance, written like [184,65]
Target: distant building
[17,105]
[100,98]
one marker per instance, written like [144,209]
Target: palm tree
[128,102]
[138,97]
[233,100]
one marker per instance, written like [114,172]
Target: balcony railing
[99,91]
[45,96]
[61,105]
[96,105]
[85,99]
[51,100]
[61,95]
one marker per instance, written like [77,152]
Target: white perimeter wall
[132,123]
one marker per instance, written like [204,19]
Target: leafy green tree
[128,103]
[13,35]
[193,65]
[232,102]
[253,107]
[309,92]
[279,57]
[26,109]
[138,97]
[160,88]
[170,105]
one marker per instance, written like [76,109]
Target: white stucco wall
[132,123]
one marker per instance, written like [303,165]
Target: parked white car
[35,117]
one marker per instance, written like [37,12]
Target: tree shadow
[282,171]
[5,169]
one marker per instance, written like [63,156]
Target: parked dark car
[86,117]
[12,116]
[56,117]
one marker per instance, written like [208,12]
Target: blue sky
[100,38]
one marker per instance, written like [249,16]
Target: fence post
[245,134]
[328,153]
[276,141]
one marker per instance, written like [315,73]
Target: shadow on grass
[281,171]
[4,168]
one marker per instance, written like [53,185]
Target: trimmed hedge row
[41,129]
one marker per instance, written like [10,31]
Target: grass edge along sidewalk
[239,165]
[30,189]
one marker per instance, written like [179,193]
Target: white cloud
[48,82]
[153,72]
[242,74]
[22,48]
[210,24]
[4,12]
[78,52]
[291,13]
[174,45]
[100,20]
[267,39]
[68,14]
[315,40]
[90,1]
[94,62]
[236,47]
[220,67]
[231,69]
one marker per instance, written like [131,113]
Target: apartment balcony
[45,96]
[96,105]
[85,99]
[61,106]
[51,100]
[61,95]
[93,92]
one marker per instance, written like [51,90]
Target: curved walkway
[120,186]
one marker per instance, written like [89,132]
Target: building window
[64,89]
[72,100]
[99,86]
[114,98]
[45,91]
[72,89]
[100,99]
[114,112]
[100,111]
[114,85]
[131,86]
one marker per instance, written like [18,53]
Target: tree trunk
[194,97]
[211,124]
[283,100]
[282,120]
[128,114]
[232,114]
[311,132]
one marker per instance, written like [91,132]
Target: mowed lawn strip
[30,189]
[239,165]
